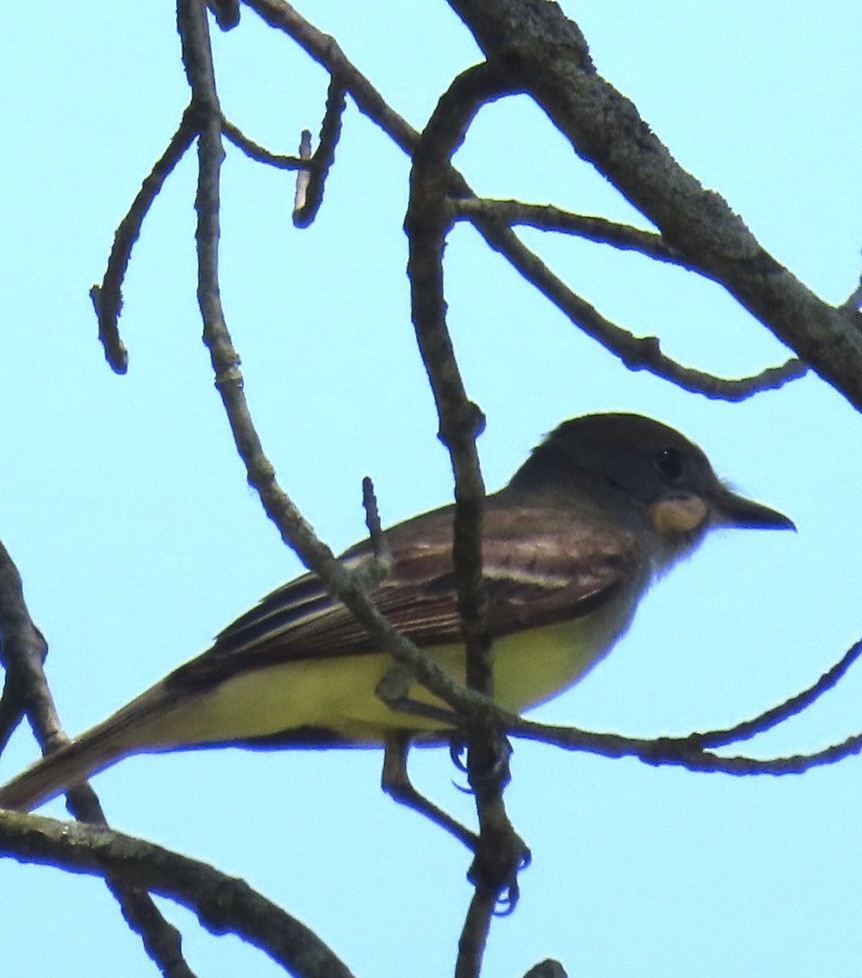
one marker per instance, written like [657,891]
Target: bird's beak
[734,510]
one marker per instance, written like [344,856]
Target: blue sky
[126,508]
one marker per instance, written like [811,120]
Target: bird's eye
[670,463]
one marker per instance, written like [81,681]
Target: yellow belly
[337,695]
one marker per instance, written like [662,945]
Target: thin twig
[372,521]
[324,49]
[778,714]
[349,587]
[380,567]
[324,156]
[258,153]
[637,353]
[461,421]
[546,217]
[684,752]
[551,58]
[107,298]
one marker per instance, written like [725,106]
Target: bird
[602,507]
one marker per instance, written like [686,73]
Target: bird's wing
[541,566]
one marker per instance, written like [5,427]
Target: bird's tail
[122,734]
[72,764]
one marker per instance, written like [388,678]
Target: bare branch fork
[605,129]
[491,220]
[635,352]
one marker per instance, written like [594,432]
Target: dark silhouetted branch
[790,707]
[107,298]
[305,212]
[546,217]
[221,903]
[500,852]
[260,154]
[636,353]
[550,57]
[23,650]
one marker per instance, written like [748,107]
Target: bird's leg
[396,783]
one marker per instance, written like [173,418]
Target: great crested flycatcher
[604,505]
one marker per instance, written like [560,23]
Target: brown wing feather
[542,566]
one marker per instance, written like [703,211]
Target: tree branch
[549,56]
[636,353]
[107,298]
[222,904]
[324,156]
[790,707]
[546,217]
[260,154]
[500,853]
[23,650]
[683,752]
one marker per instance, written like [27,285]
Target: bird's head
[643,474]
